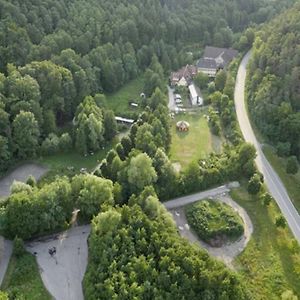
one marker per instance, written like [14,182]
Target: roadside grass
[22,279]
[291,182]
[119,101]
[197,143]
[270,264]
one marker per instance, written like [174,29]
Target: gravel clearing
[21,173]
[226,253]
[63,271]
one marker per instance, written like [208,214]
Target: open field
[271,262]
[119,101]
[196,143]
[71,163]
[22,279]
[291,182]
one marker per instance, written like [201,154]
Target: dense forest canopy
[136,253]
[274,89]
[56,53]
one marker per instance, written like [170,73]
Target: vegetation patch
[214,222]
[119,101]
[270,264]
[22,279]
[193,144]
[290,181]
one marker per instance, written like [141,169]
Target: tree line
[273,91]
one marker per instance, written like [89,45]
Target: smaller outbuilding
[182,126]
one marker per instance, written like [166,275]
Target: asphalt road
[272,180]
[182,201]
[20,173]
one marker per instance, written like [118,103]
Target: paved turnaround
[272,180]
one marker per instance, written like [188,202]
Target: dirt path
[63,272]
[21,173]
[228,252]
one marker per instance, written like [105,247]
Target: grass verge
[291,182]
[270,264]
[22,279]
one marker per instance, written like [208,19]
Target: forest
[54,54]
[59,60]
[274,89]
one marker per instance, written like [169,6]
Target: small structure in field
[182,126]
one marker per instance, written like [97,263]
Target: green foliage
[22,280]
[220,80]
[18,247]
[31,181]
[37,211]
[266,199]
[292,165]
[89,126]
[254,184]
[280,221]
[141,172]
[161,264]
[214,222]
[273,94]
[201,80]
[25,145]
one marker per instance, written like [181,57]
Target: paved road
[21,173]
[182,201]
[272,180]
[5,254]
[62,273]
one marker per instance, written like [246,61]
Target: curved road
[272,180]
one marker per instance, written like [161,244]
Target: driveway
[182,201]
[63,272]
[171,104]
[21,173]
[271,178]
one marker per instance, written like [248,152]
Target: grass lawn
[59,164]
[291,182]
[23,281]
[119,101]
[270,264]
[194,144]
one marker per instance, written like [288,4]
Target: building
[184,76]
[124,120]
[195,95]
[215,59]
[182,126]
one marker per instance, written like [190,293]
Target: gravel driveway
[63,272]
[21,173]
[228,252]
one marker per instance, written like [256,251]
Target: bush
[254,184]
[18,247]
[214,221]
[280,221]
[31,181]
[283,149]
[18,186]
[292,165]
[266,199]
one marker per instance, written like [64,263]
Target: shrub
[31,181]
[254,184]
[19,248]
[292,165]
[213,221]
[280,221]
